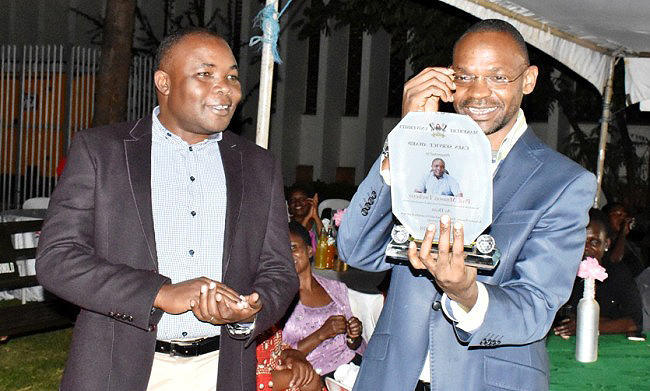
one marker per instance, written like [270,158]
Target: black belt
[188,349]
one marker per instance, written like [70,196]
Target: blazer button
[364,212]
[111,314]
[436,305]
[130,318]
[373,194]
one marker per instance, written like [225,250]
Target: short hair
[607,209]
[597,216]
[297,229]
[501,26]
[300,186]
[173,39]
[443,162]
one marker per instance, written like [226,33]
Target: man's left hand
[219,304]
[448,265]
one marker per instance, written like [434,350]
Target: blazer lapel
[233,168]
[138,163]
[514,171]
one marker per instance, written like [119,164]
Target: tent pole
[266,87]
[604,125]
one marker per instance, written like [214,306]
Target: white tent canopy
[582,34]
[587,36]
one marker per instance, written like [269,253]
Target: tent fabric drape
[615,28]
[637,81]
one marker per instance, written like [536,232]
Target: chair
[367,308]
[333,385]
[36,203]
[332,203]
[25,318]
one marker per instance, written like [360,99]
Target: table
[621,365]
[26,240]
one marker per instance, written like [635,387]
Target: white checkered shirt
[188,198]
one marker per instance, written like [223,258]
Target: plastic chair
[367,307]
[36,203]
[333,385]
[332,203]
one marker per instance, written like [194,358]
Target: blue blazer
[540,205]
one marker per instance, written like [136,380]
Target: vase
[587,324]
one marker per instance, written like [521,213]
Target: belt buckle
[173,344]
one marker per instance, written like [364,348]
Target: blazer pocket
[378,348]
[511,229]
[521,216]
[508,375]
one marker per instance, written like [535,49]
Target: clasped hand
[447,266]
[337,324]
[210,301]
[312,215]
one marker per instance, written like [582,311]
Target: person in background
[281,368]
[623,249]
[618,296]
[302,203]
[321,324]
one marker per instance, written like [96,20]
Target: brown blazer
[97,250]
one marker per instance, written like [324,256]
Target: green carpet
[621,365]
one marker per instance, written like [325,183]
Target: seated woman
[302,204]
[282,368]
[321,324]
[618,296]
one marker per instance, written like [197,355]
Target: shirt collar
[160,132]
[510,140]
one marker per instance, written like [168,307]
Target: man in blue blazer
[445,327]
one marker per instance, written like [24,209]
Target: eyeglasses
[462,79]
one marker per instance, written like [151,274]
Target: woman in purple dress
[321,324]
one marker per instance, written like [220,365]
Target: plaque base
[397,253]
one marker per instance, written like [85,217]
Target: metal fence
[46,96]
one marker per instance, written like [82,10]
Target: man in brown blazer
[171,236]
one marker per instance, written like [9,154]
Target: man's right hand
[424,91]
[176,298]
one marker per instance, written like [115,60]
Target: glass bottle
[320,260]
[331,249]
[587,324]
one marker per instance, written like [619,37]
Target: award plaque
[440,164]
